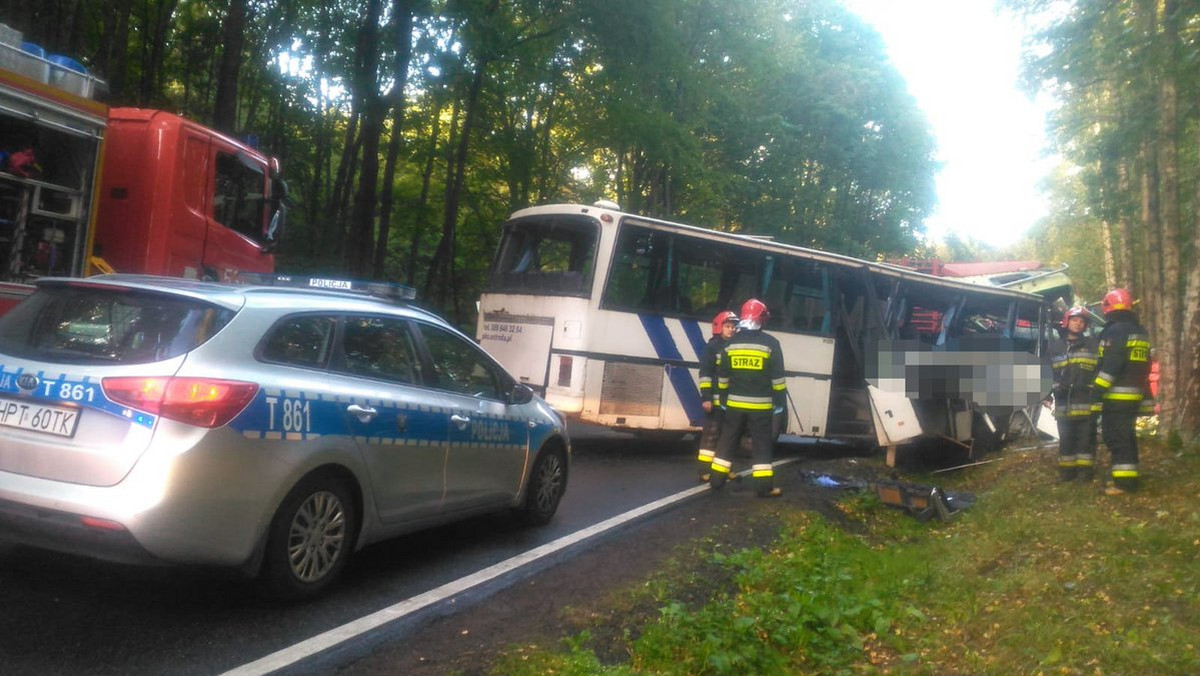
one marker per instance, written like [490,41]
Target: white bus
[605,314]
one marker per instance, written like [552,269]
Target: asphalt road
[66,615]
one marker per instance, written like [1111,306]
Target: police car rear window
[79,325]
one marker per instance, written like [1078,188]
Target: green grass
[1035,578]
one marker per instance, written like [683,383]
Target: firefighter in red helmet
[1120,386]
[1073,359]
[750,380]
[723,326]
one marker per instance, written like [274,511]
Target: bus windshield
[550,255]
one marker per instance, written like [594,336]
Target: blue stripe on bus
[694,335]
[681,379]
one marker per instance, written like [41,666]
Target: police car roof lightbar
[386,290]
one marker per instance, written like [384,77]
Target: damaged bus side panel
[606,314]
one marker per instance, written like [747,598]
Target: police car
[261,426]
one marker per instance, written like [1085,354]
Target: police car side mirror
[521,394]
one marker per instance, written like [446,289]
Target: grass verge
[1037,577]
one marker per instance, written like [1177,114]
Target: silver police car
[265,427]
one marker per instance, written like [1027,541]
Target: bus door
[798,293]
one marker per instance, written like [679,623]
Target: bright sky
[962,62]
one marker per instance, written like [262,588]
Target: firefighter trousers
[709,436]
[1076,447]
[1119,427]
[735,423]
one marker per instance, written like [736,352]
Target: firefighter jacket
[1074,364]
[710,357]
[1124,364]
[750,376]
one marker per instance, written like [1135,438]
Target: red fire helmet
[1117,299]
[721,319]
[1077,311]
[755,310]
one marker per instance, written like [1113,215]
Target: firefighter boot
[1066,468]
[764,481]
[1124,479]
[1085,469]
[720,473]
[704,460]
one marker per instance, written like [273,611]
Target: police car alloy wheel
[547,483]
[311,538]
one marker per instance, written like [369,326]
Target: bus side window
[979,319]
[703,267]
[797,294]
[637,280]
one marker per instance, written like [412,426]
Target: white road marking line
[323,641]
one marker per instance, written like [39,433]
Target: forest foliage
[410,129]
[1125,204]
[774,117]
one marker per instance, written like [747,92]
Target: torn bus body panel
[922,389]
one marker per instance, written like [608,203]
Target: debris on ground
[923,502]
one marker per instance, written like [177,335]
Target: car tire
[547,484]
[310,539]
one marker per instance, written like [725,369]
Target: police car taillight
[204,402]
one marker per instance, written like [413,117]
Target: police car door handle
[460,421]
[364,413]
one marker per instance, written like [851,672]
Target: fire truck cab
[85,188]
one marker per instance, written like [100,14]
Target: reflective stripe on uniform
[1073,411]
[706,455]
[779,384]
[722,466]
[1085,460]
[762,471]
[1124,394]
[1124,471]
[1103,379]
[750,403]
[747,349]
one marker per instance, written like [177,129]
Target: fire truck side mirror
[275,229]
[279,197]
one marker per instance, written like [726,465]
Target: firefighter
[752,389]
[1073,358]
[1120,386]
[723,326]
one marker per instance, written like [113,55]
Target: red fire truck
[85,188]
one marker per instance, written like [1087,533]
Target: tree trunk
[1110,265]
[436,271]
[422,208]
[366,84]
[1187,394]
[1169,320]
[232,38]
[402,15]
[112,61]
[152,65]
[1150,226]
